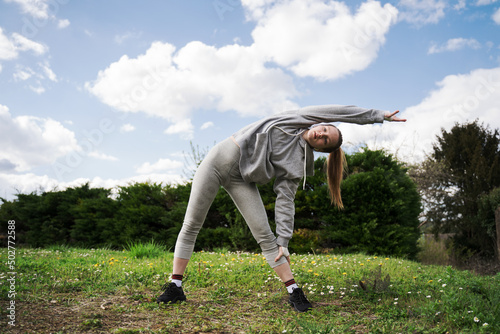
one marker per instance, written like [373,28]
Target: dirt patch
[76,314]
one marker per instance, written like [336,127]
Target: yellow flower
[344,273]
[313,262]
[361,264]
[430,281]
[316,274]
[310,271]
[334,258]
[374,257]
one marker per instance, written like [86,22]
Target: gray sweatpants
[221,168]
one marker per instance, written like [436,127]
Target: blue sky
[113,92]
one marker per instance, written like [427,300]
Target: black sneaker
[172,294]
[299,301]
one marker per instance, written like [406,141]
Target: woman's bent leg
[248,201]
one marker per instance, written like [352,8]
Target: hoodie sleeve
[284,210]
[339,113]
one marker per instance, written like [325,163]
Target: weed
[145,250]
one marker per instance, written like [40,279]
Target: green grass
[68,290]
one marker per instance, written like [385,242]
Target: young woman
[278,147]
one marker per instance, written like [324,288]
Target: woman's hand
[282,251]
[392,118]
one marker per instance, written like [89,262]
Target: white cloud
[455,44]
[102,156]
[310,38]
[485,2]
[120,39]
[159,166]
[23,73]
[24,44]
[496,16]
[422,12]
[28,141]
[8,50]
[61,24]
[184,128]
[322,40]
[35,8]
[460,5]
[458,98]
[10,47]
[172,84]
[39,89]
[207,125]
[127,128]
[49,74]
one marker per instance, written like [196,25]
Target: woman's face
[322,137]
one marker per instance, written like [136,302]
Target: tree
[463,167]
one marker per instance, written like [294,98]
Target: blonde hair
[336,165]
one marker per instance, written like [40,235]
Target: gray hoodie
[274,148]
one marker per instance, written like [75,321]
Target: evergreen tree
[470,153]
[463,168]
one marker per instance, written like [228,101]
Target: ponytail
[335,167]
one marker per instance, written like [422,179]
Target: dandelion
[316,274]
[344,274]
[430,281]
[310,271]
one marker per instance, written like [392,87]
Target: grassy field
[67,290]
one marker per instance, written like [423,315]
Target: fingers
[392,118]
[280,254]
